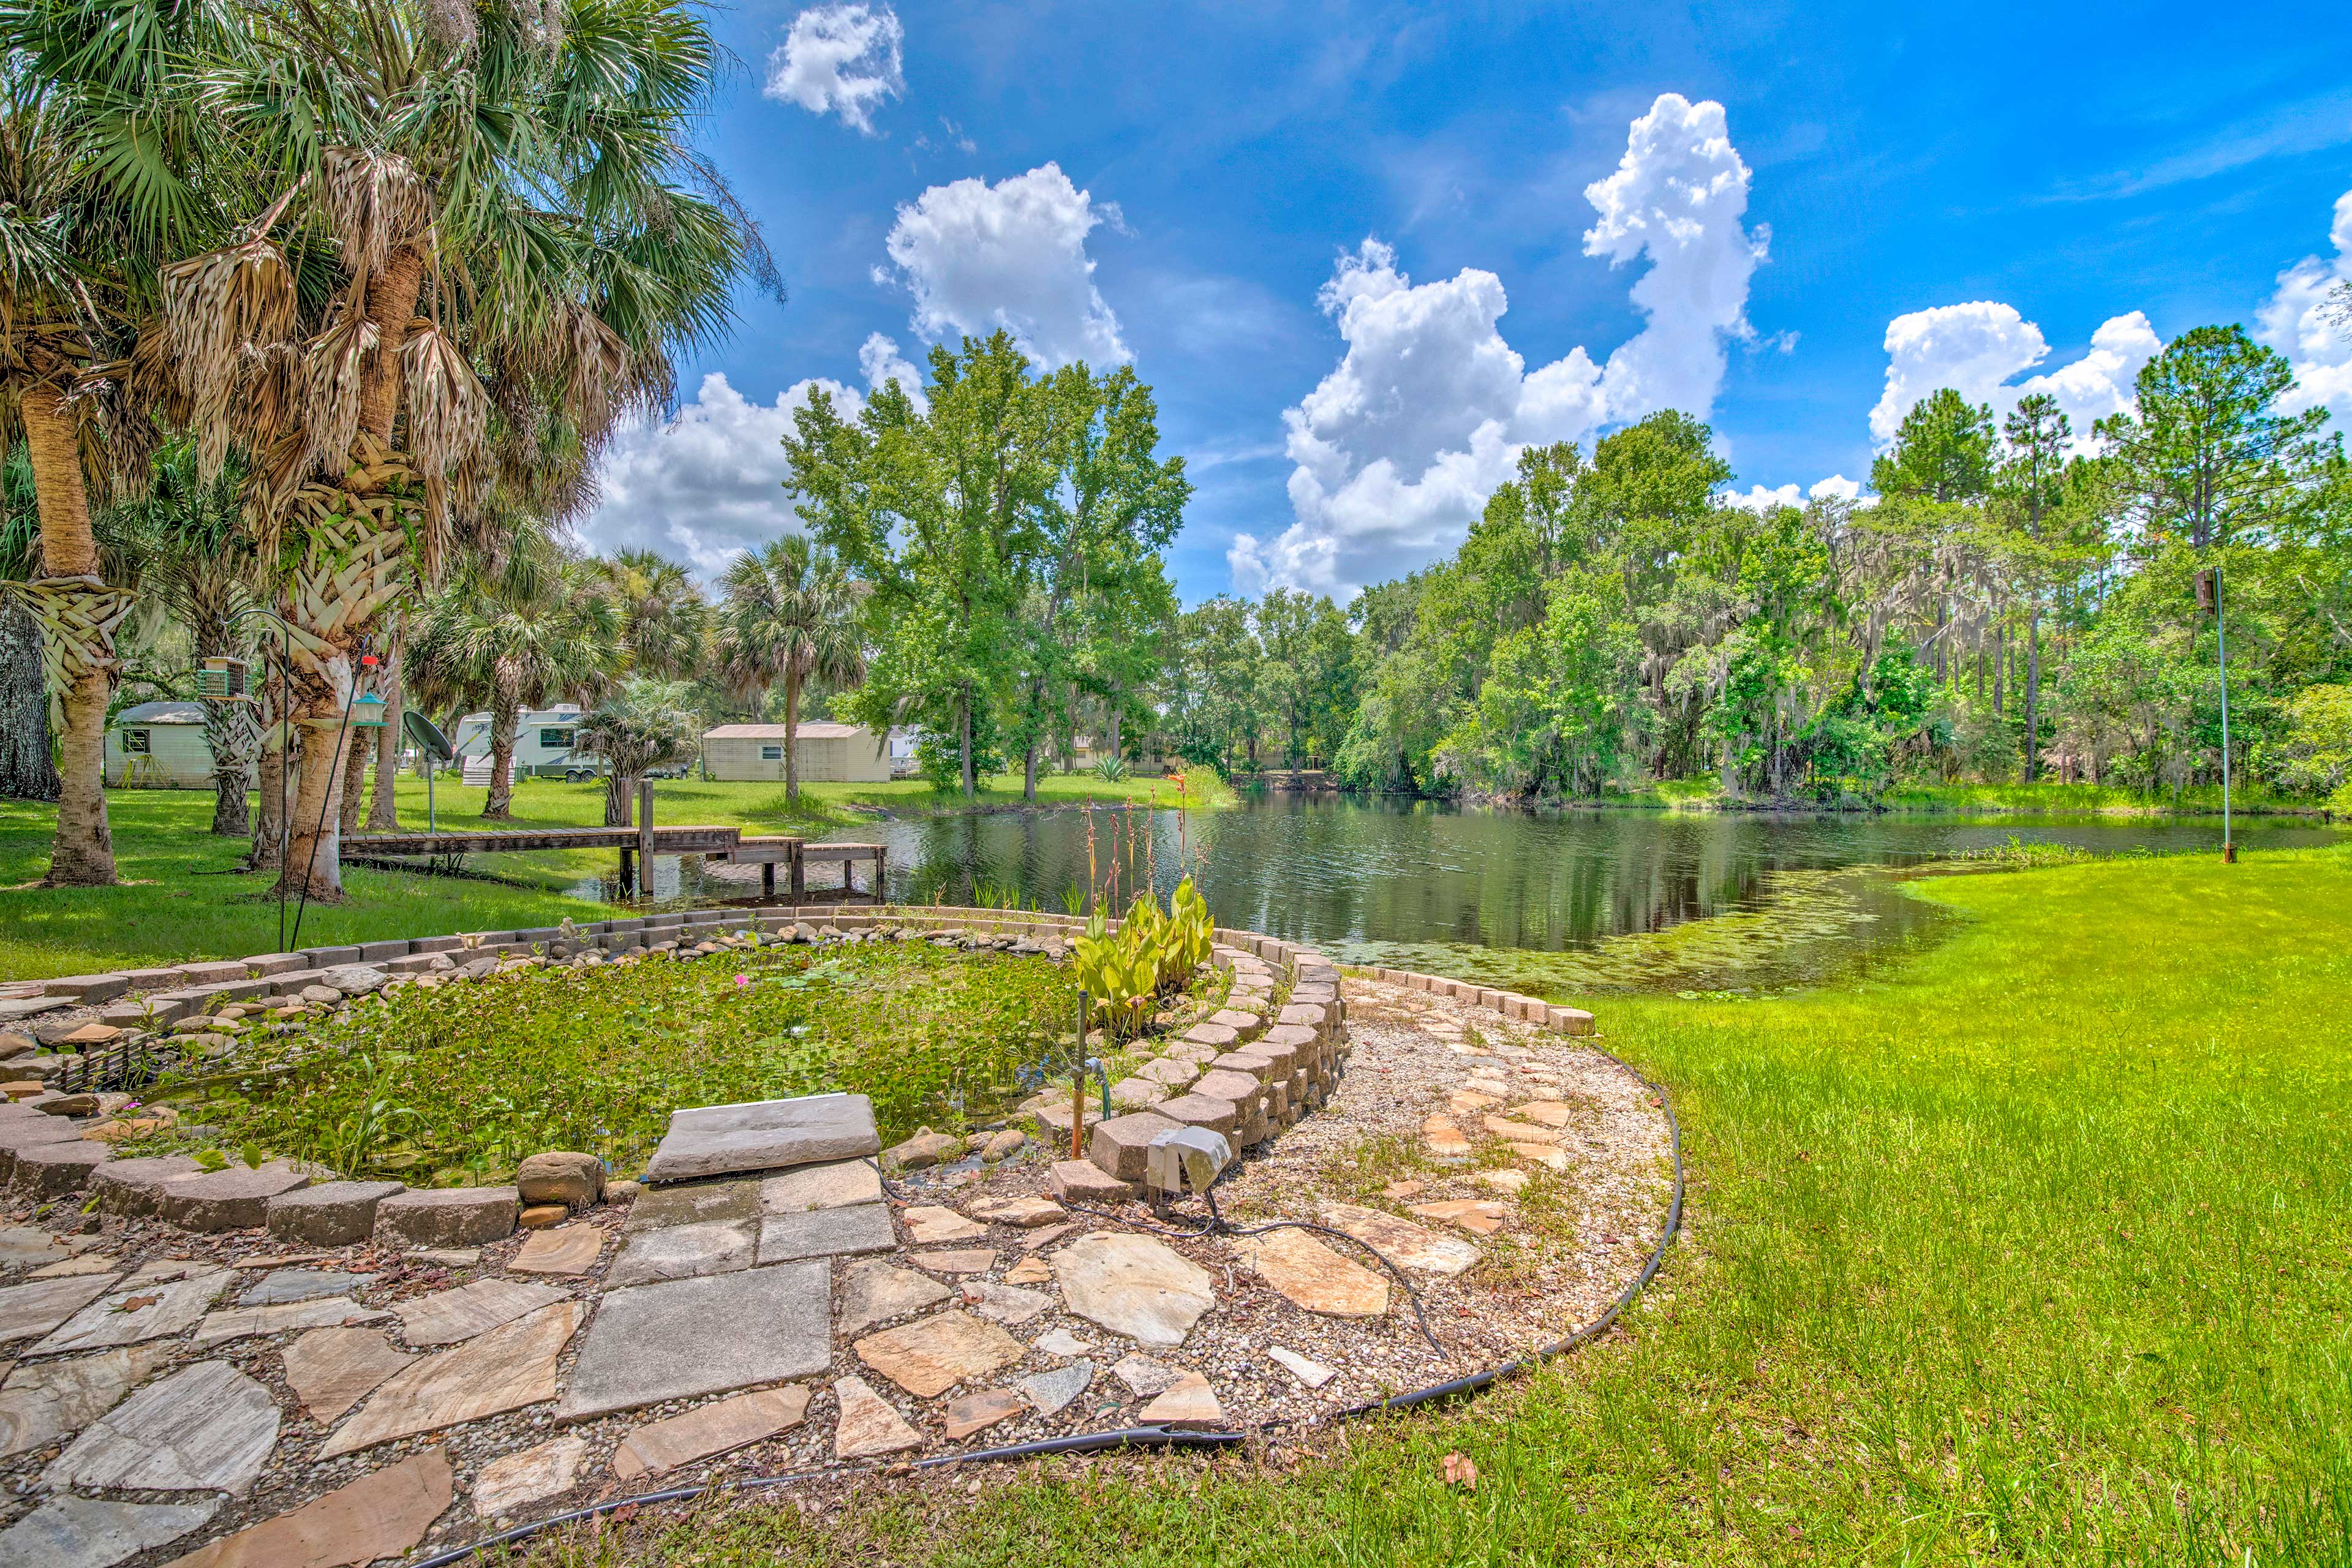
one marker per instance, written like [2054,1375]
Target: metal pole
[2222,644]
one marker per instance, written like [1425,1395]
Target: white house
[544,742]
[822,752]
[158,745]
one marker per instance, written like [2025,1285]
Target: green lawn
[2038,1253]
[1704,793]
[184,899]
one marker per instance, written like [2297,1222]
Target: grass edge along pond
[2037,1251]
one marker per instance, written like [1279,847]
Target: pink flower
[742,980]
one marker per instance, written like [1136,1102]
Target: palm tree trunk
[27,770]
[226,734]
[383,806]
[82,855]
[354,793]
[620,790]
[270,811]
[314,852]
[506,714]
[792,735]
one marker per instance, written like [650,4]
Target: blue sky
[1222,168]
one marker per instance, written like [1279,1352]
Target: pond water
[1548,902]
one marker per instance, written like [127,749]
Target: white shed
[158,745]
[822,752]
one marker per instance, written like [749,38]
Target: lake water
[1551,901]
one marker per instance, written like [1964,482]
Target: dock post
[645,834]
[881,873]
[768,880]
[798,880]
[628,875]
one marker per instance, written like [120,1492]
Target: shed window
[555,739]
[134,743]
[771,753]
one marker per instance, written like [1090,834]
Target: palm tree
[792,615]
[665,620]
[533,630]
[474,234]
[27,770]
[646,725]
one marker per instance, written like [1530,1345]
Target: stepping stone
[1517,1132]
[1479,1217]
[970,1260]
[1144,1376]
[1547,1112]
[1048,1392]
[382,1514]
[833,1186]
[826,1232]
[566,1250]
[449,1217]
[237,1198]
[43,1400]
[868,1427]
[875,1291]
[1503,1181]
[652,1342]
[333,1369]
[1403,1189]
[970,1413]
[1187,1404]
[1314,1277]
[285,1317]
[927,1225]
[1313,1374]
[301,1285]
[22,1247]
[509,1367]
[1005,1303]
[1544,1155]
[1403,1243]
[1134,1286]
[685,1251]
[447,1316]
[1443,1139]
[1029,1213]
[130,1315]
[765,1136]
[75,1268]
[698,1204]
[330,1214]
[208,1428]
[509,1482]
[712,1429]
[1465,1102]
[1060,1342]
[931,1356]
[1029,1271]
[1050,1234]
[78,1533]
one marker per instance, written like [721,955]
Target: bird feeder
[223,681]
[367,712]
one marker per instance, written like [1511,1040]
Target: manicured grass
[2084,799]
[457,1085]
[2039,1252]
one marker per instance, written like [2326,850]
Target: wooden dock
[638,844]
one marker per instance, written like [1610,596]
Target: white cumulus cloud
[841,59]
[1757,499]
[1978,347]
[708,483]
[1397,449]
[2296,321]
[977,257]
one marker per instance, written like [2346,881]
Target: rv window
[771,753]
[555,739]
[134,741]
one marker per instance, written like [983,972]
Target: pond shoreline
[1718,805]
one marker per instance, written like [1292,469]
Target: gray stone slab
[81,1532]
[42,1402]
[765,1136]
[684,1338]
[701,1203]
[208,1428]
[135,1313]
[826,1232]
[33,1309]
[685,1252]
[811,1187]
[1047,1392]
[23,1247]
[301,1285]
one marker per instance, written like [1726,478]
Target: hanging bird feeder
[367,712]
[223,681]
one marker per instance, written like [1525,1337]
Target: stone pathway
[777,1307]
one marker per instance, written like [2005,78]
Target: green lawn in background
[2036,1252]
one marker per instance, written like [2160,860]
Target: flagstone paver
[1061,1341]
[970,1413]
[334,1369]
[1142,1374]
[286,1317]
[1479,1217]
[685,1251]
[301,1285]
[1187,1405]
[69,1532]
[830,1186]
[875,1290]
[868,1427]
[446,1316]
[1134,1286]
[1048,1392]
[712,1428]
[695,1203]
[652,1342]
[964,1260]
[566,1250]
[1005,1303]
[927,1226]
[931,1356]
[32,1310]
[23,1247]
[1313,1275]
[382,1514]
[1031,1270]
[826,1232]
[507,1483]
[207,1428]
[43,1400]
[511,1366]
[765,1136]
[1400,1241]
[141,1312]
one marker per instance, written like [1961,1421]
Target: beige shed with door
[158,745]
[824,752]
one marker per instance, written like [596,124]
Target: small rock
[972,1412]
[1004,1145]
[560,1176]
[623,1192]
[71,1105]
[542,1216]
[1143,1375]
[1062,1342]
[1028,1212]
[1189,1405]
[1299,1367]
[925,1149]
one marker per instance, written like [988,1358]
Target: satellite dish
[427,736]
